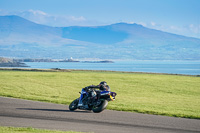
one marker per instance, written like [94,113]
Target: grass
[170,95]
[30,130]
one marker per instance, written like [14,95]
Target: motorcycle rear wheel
[100,107]
[74,105]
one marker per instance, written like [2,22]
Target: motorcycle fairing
[81,97]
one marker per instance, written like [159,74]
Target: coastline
[70,70]
[163,67]
[13,64]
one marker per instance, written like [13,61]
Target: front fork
[80,103]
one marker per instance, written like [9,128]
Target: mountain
[22,38]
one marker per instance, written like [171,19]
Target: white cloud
[143,24]
[41,17]
[153,23]
[81,18]
[194,28]
[175,28]
[3,12]
[37,12]
[131,22]
[190,30]
[52,20]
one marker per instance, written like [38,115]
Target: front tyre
[74,105]
[100,107]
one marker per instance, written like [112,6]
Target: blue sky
[175,16]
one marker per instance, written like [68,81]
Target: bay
[170,67]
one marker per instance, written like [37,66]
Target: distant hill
[7,62]
[24,39]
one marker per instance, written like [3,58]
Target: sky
[175,16]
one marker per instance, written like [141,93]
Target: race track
[25,113]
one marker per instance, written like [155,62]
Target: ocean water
[171,67]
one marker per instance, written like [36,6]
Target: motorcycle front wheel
[74,105]
[100,107]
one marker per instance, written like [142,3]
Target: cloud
[51,20]
[3,12]
[190,30]
[143,24]
[37,12]
[153,23]
[194,28]
[81,18]
[41,17]
[36,16]
[130,22]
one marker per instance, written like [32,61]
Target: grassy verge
[30,130]
[170,95]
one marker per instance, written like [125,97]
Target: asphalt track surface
[25,113]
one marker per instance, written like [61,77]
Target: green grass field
[170,95]
[30,130]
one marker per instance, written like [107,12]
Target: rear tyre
[100,107]
[74,105]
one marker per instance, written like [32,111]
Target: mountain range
[21,38]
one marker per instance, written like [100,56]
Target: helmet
[103,86]
[103,83]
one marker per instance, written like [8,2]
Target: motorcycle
[92,99]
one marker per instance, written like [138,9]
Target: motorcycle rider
[95,95]
[102,86]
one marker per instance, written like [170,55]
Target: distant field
[170,95]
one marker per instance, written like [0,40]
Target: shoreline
[70,70]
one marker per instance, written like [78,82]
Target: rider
[102,87]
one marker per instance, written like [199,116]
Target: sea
[169,67]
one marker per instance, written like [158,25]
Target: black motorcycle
[91,99]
